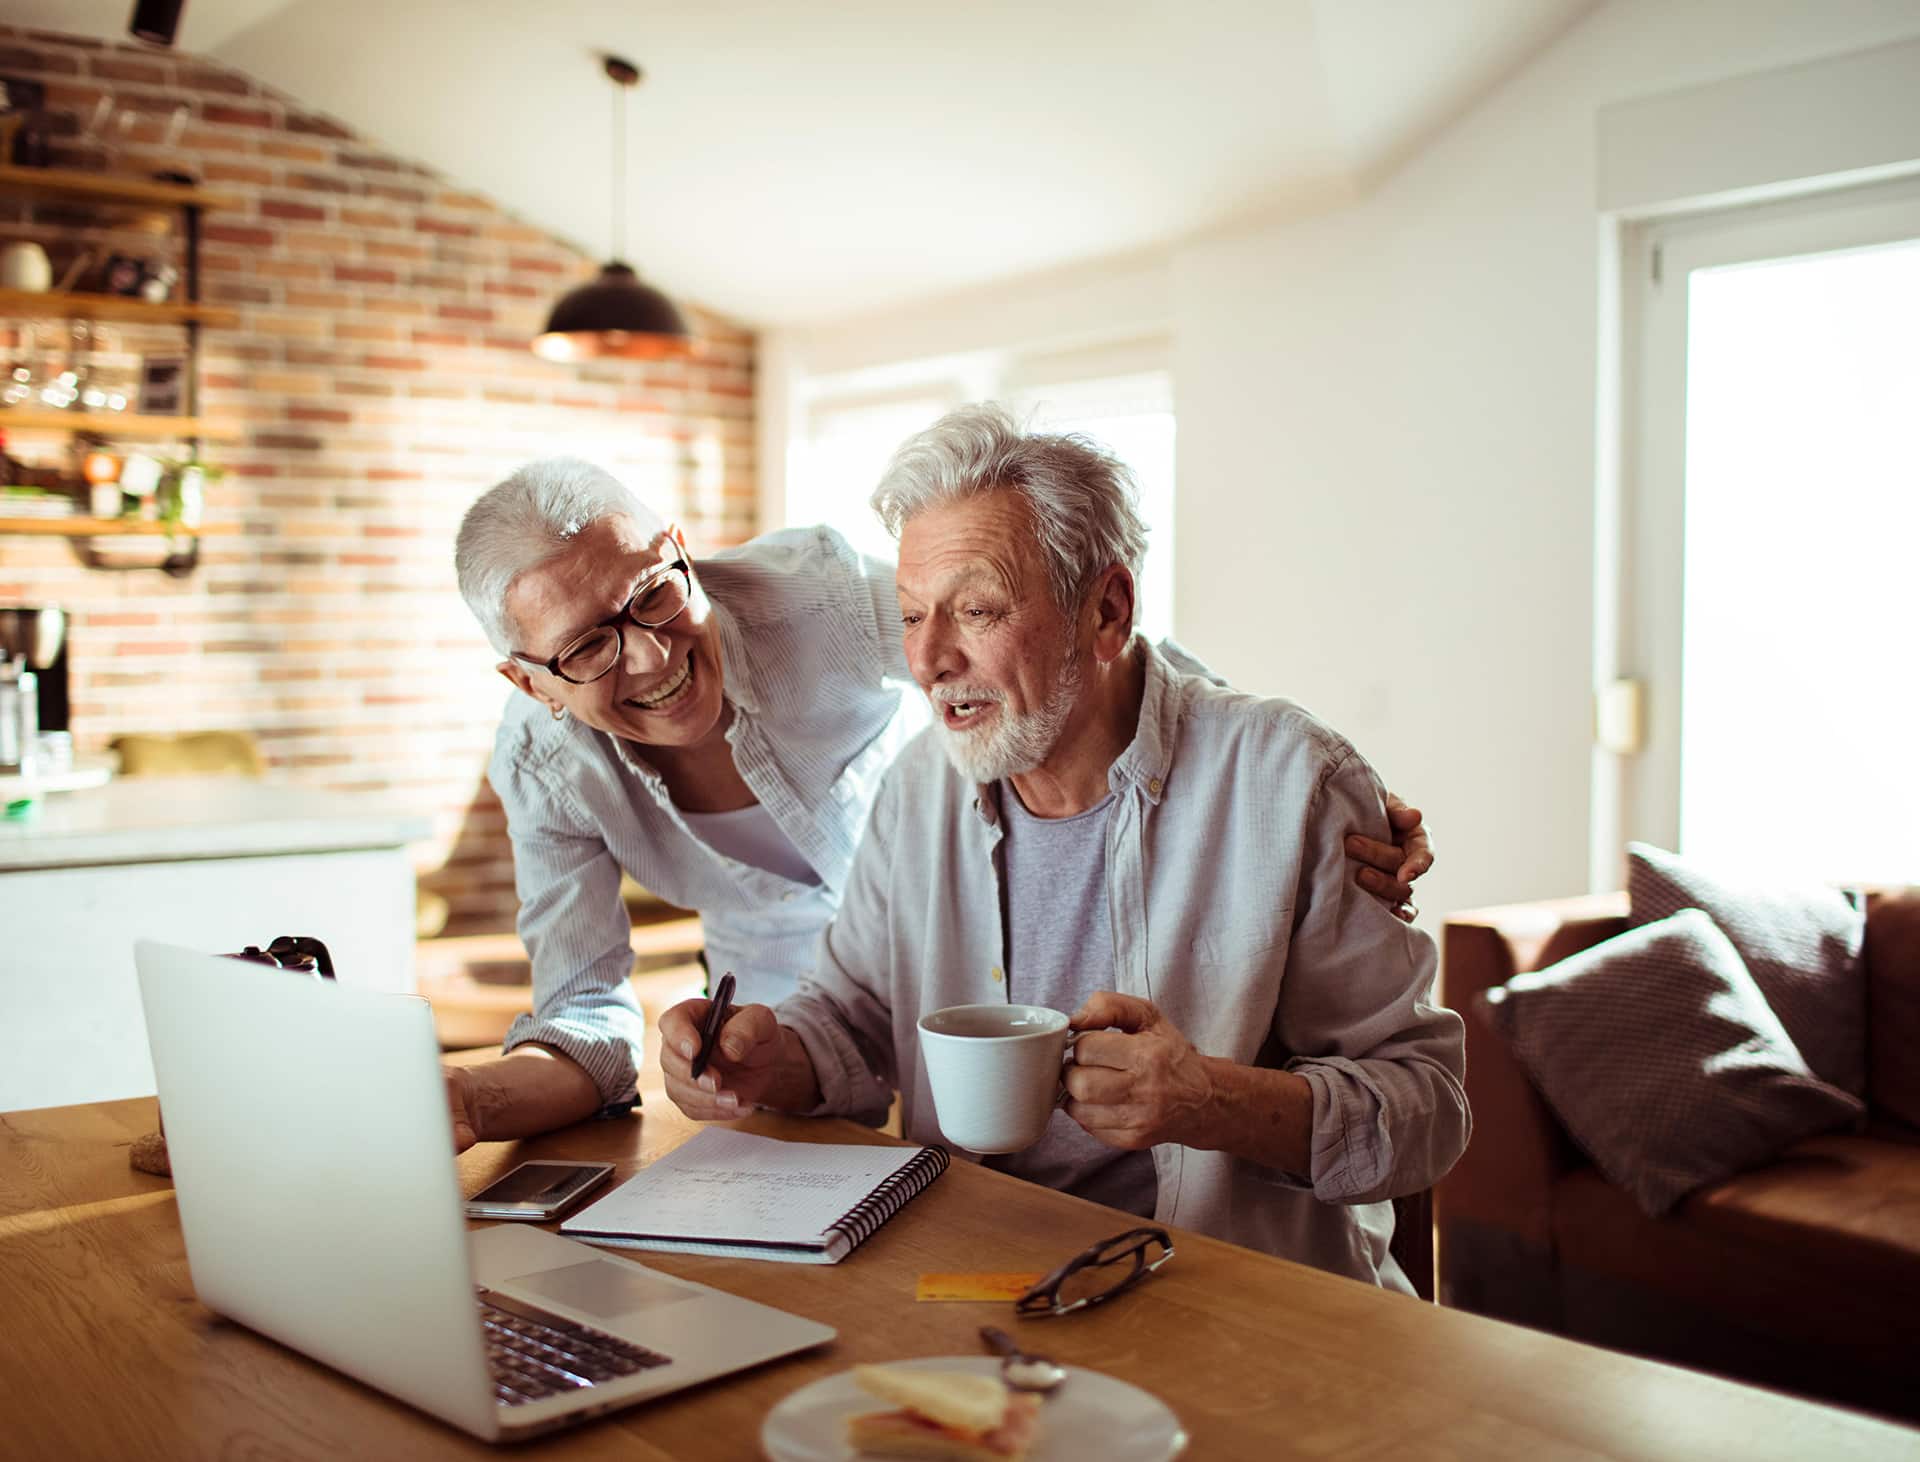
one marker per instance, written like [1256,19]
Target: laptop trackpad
[602,1287]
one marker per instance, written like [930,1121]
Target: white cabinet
[211,863]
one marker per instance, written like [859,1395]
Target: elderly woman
[718,731]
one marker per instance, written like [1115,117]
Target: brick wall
[382,376]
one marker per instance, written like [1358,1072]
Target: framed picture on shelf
[163,380]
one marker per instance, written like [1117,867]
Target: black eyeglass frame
[1044,1298]
[616,621]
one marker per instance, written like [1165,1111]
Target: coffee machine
[39,635]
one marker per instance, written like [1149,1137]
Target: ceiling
[794,161]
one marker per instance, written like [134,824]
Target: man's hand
[1388,870]
[1135,1079]
[460,1103]
[748,1063]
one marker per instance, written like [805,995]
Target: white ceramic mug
[995,1071]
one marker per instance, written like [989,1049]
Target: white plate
[1090,1416]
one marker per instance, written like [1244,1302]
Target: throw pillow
[1801,945]
[1661,1057]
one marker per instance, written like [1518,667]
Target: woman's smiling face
[666,688]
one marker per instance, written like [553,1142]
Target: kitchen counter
[212,863]
[165,819]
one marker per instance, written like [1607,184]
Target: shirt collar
[1148,756]
[736,674]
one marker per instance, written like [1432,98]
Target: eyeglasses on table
[1097,1274]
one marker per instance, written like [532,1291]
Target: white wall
[1386,447]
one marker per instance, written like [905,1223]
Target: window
[1770,544]
[1121,397]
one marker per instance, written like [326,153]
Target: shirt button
[1154,786]
[997,976]
[787,897]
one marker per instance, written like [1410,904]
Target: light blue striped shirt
[809,640]
[1233,909]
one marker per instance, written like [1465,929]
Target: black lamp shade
[155,21]
[616,315]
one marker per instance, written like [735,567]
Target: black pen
[717,1013]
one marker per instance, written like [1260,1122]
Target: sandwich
[945,1414]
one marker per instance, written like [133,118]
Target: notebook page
[725,1185]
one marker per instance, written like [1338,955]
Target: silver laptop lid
[313,1162]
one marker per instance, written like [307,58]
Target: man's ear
[517,673]
[1113,614]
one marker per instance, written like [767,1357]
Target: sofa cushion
[1763,1261]
[1893,1005]
[1662,1059]
[1801,944]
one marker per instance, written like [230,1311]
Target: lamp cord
[619,172]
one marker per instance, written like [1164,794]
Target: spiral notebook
[729,1192]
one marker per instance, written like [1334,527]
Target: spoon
[1020,1370]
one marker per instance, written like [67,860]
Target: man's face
[984,638]
[665,689]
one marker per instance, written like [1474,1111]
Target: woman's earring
[559,713]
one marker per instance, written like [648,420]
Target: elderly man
[1088,827]
[717,731]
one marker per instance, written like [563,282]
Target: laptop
[313,1164]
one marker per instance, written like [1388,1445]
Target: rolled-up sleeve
[843,1012]
[577,934]
[1385,1065]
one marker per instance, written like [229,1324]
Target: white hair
[1081,496]
[522,522]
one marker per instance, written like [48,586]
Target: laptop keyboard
[533,1354]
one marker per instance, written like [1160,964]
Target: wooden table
[105,1353]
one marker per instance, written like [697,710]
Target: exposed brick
[300,212]
[237,172]
[318,183]
[231,116]
[428,224]
[529,264]
[201,139]
[394,192]
[299,412]
[383,249]
[319,299]
[362,274]
[393,363]
[206,79]
[367,162]
[113,69]
[251,235]
[294,151]
[317,127]
[371,334]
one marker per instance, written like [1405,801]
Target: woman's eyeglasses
[1096,1275]
[656,602]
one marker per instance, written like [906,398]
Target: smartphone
[537,1191]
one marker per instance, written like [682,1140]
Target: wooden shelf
[107,188]
[117,424]
[111,528]
[26,304]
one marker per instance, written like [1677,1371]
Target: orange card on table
[974,1286]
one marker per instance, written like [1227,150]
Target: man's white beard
[1019,743]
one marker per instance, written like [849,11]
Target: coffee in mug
[995,1071]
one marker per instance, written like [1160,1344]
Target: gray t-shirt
[1059,951]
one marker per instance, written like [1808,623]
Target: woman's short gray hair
[519,524]
[1082,497]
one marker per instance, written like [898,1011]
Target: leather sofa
[1802,1275]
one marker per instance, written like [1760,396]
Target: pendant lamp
[615,315]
